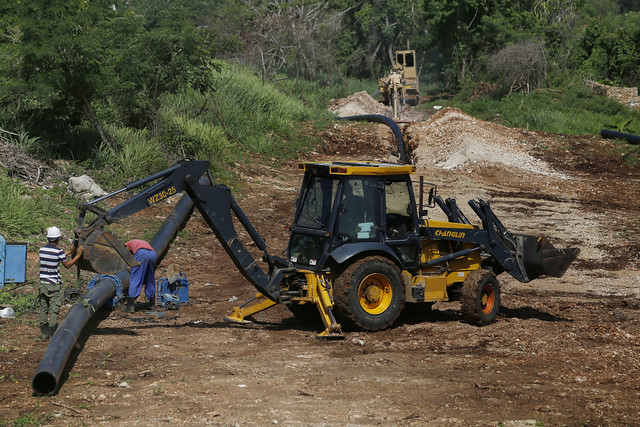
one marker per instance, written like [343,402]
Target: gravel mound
[451,139]
[358,104]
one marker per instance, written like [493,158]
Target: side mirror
[431,197]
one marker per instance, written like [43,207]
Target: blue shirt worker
[50,287]
[144,274]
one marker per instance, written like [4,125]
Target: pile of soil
[451,139]
[362,103]
[358,104]
[348,140]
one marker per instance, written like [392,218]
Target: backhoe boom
[106,255]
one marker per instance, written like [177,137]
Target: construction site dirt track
[562,351]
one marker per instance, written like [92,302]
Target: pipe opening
[44,384]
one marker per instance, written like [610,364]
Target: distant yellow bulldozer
[401,85]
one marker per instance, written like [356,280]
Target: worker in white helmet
[50,287]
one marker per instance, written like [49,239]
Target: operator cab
[348,208]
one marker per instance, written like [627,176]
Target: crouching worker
[144,274]
[50,287]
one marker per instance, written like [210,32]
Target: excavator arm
[105,254]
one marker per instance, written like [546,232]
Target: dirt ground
[562,351]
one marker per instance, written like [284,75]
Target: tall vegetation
[23,211]
[574,111]
[594,38]
[73,64]
[127,86]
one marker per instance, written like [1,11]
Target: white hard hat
[53,233]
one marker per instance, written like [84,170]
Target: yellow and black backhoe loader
[360,245]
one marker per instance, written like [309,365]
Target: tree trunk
[93,119]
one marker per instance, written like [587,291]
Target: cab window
[359,210]
[398,212]
[317,205]
[409,60]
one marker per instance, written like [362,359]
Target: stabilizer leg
[319,293]
[239,313]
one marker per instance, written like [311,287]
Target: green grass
[29,420]
[572,110]
[238,118]
[22,303]
[133,154]
[317,95]
[25,212]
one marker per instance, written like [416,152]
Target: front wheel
[369,295]
[480,297]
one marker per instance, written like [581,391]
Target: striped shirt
[50,258]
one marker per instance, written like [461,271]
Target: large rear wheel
[480,297]
[369,295]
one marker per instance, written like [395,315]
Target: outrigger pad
[105,254]
[540,257]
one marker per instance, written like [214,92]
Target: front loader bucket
[104,253]
[538,257]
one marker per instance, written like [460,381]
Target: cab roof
[357,168]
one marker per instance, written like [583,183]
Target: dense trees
[585,36]
[75,70]
[611,52]
[71,62]
[454,38]
[373,29]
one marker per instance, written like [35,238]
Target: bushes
[23,212]
[21,302]
[574,110]
[235,117]
[317,94]
[237,114]
[190,137]
[521,66]
[132,155]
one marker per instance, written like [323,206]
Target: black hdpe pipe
[47,377]
[633,139]
[397,132]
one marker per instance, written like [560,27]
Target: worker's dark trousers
[144,274]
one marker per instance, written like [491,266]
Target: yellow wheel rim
[488,299]
[375,293]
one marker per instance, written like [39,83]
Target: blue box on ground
[178,289]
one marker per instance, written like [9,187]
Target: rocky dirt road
[562,351]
